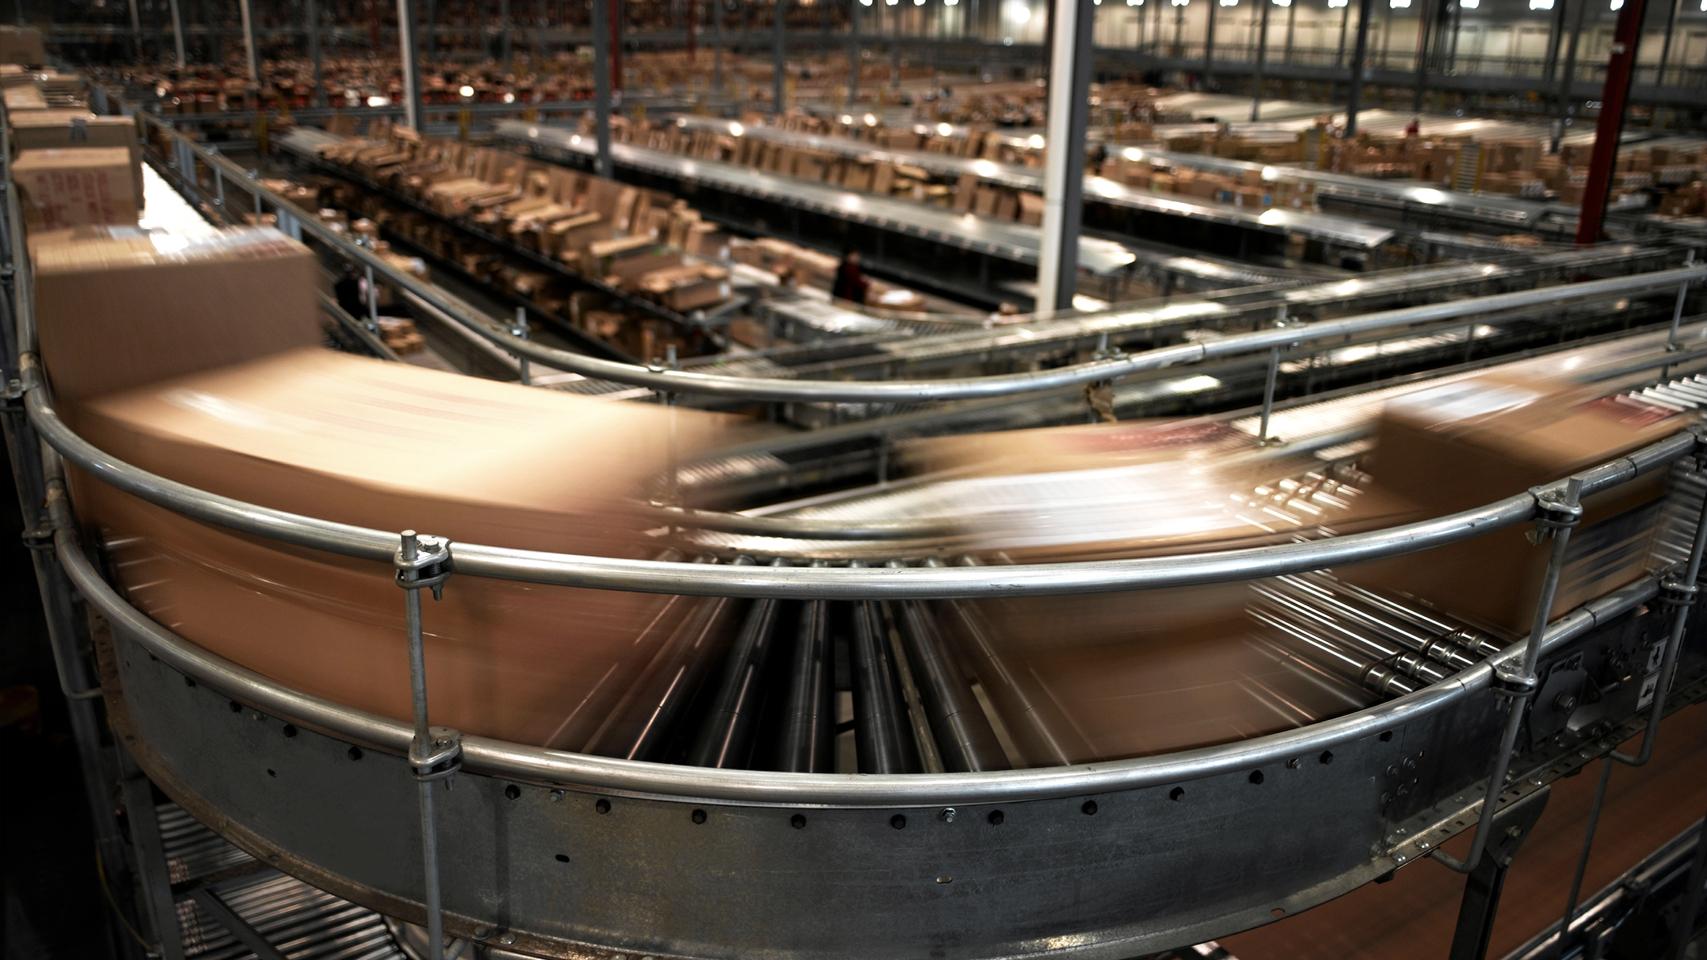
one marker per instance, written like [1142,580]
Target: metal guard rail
[674,382]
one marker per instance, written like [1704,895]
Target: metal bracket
[1678,593]
[1510,680]
[1476,912]
[1557,513]
[439,756]
[429,568]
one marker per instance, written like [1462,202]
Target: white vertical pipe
[1058,131]
[178,34]
[411,83]
[249,45]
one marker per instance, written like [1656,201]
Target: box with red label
[71,188]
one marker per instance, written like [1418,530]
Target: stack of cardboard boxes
[72,168]
[635,241]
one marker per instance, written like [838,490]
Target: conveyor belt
[1318,226]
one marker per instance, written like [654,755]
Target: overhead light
[865,3]
[1179,3]
[1016,12]
[1540,4]
[945,129]
[918,3]
[871,120]
[466,91]
[509,98]
[1399,4]
[1336,4]
[1135,3]
[735,129]
[1283,3]
[1228,3]
[847,120]
[1469,4]
[1035,141]
[378,101]
[1617,5]
[950,3]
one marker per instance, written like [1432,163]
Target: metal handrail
[675,381]
[505,759]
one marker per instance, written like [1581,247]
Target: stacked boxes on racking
[637,242]
[72,168]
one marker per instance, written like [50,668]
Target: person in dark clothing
[348,292]
[850,280]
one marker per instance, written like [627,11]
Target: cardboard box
[22,45]
[392,446]
[75,187]
[117,308]
[1472,442]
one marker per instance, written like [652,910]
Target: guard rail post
[1559,512]
[435,753]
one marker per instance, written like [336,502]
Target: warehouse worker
[1414,127]
[850,280]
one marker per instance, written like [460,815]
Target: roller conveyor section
[1338,230]
[1012,242]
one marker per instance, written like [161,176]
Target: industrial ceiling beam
[1064,160]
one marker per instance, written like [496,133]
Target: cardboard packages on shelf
[391,446]
[76,187]
[1472,442]
[120,307]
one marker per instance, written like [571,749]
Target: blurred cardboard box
[74,187]
[64,129]
[1472,442]
[22,45]
[390,446]
[118,308]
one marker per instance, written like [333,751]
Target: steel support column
[717,46]
[1064,160]
[613,23]
[1614,98]
[853,52]
[693,30]
[135,31]
[178,33]
[779,64]
[504,33]
[411,64]
[314,52]
[1209,45]
[249,44]
[1359,58]
[1665,43]
[1262,57]
[602,73]
[432,29]
[1562,94]
[1425,33]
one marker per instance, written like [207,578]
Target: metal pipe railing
[832,583]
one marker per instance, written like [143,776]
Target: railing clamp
[1510,680]
[439,756]
[39,537]
[1675,592]
[1557,513]
[429,568]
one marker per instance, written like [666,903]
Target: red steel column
[616,44]
[1614,98]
